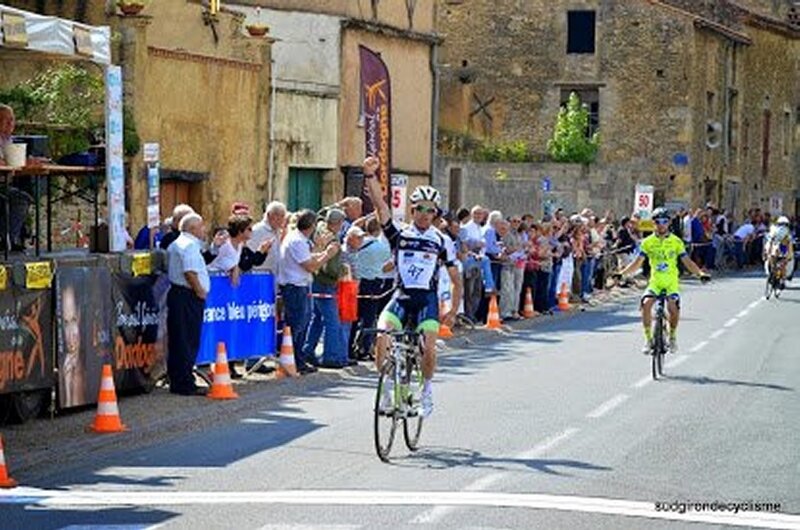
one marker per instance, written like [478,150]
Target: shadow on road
[705,380]
[438,457]
[20,516]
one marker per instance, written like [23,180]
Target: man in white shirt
[186,301]
[743,235]
[269,229]
[295,274]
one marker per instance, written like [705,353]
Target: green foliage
[569,142]
[130,138]
[517,151]
[66,103]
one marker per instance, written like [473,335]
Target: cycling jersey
[663,254]
[418,257]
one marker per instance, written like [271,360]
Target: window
[765,144]
[732,125]
[710,102]
[590,98]
[580,31]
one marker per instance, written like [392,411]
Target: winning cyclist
[419,251]
[779,248]
[663,249]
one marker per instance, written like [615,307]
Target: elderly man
[178,213]
[270,228]
[326,314]
[18,201]
[186,301]
[295,275]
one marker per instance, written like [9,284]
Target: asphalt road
[556,425]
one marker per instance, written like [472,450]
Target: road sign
[643,206]
[547,184]
[399,193]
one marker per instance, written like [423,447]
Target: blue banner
[242,317]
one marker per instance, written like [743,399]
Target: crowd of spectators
[504,256]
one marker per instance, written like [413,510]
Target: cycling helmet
[782,220]
[660,213]
[426,193]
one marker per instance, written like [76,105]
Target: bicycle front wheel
[386,411]
[658,347]
[412,421]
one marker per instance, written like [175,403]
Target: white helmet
[426,193]
[782,220]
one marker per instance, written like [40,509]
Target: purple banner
[376,96]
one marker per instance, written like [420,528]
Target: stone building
[699,98]
[318,137]
[198,85]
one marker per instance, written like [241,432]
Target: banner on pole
[376,99]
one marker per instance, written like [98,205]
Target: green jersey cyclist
[420,250]
[664,250]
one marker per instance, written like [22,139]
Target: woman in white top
[233,256]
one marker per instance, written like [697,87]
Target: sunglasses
[426,209]
[661,221]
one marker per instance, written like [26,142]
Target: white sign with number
[399,193]
[151,152]
[776,205]
[643,201]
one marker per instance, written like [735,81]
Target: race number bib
[416,269]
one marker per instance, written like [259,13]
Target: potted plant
[257,28]
[130,7]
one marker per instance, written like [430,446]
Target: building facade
[318,134]
[698,98]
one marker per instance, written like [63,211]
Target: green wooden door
[305,189]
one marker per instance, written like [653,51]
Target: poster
[26,358]
[139,322]
[83,329]
[376,98]
[399,194]
[643,207]
[243,317]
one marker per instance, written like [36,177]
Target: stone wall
[517,188]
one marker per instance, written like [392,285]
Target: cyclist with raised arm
[779,249]
[419,251]
[664,250]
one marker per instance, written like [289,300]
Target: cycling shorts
[658,285]
[418,308]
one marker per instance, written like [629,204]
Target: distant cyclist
[664,250]
[420,250]
[779,249]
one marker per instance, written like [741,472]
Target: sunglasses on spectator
[426,209]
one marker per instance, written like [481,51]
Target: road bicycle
[659,345]
[775,280]
[399,393]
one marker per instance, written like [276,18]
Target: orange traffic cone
[222,388]
[286,366]
[493,319]
[563,298]
[5,480]
[107,419]
[528,311]
[444,330]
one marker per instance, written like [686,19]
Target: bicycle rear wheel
[768,288]
[412,420]
[385,423]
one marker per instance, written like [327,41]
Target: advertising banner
[376,98]
[139,330]
[26,359]
[242,317]
[83,329]
[643,207]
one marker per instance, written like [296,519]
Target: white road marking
[680,359]
[754,304]
[608,406]
[743,313]
[290,526]
[643,381]
[437,513]
[699,346]
[566,503]
[717,334]
[731,322]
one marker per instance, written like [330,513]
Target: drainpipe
[434,106]
[272,87]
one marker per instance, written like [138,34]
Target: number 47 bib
[416,268]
